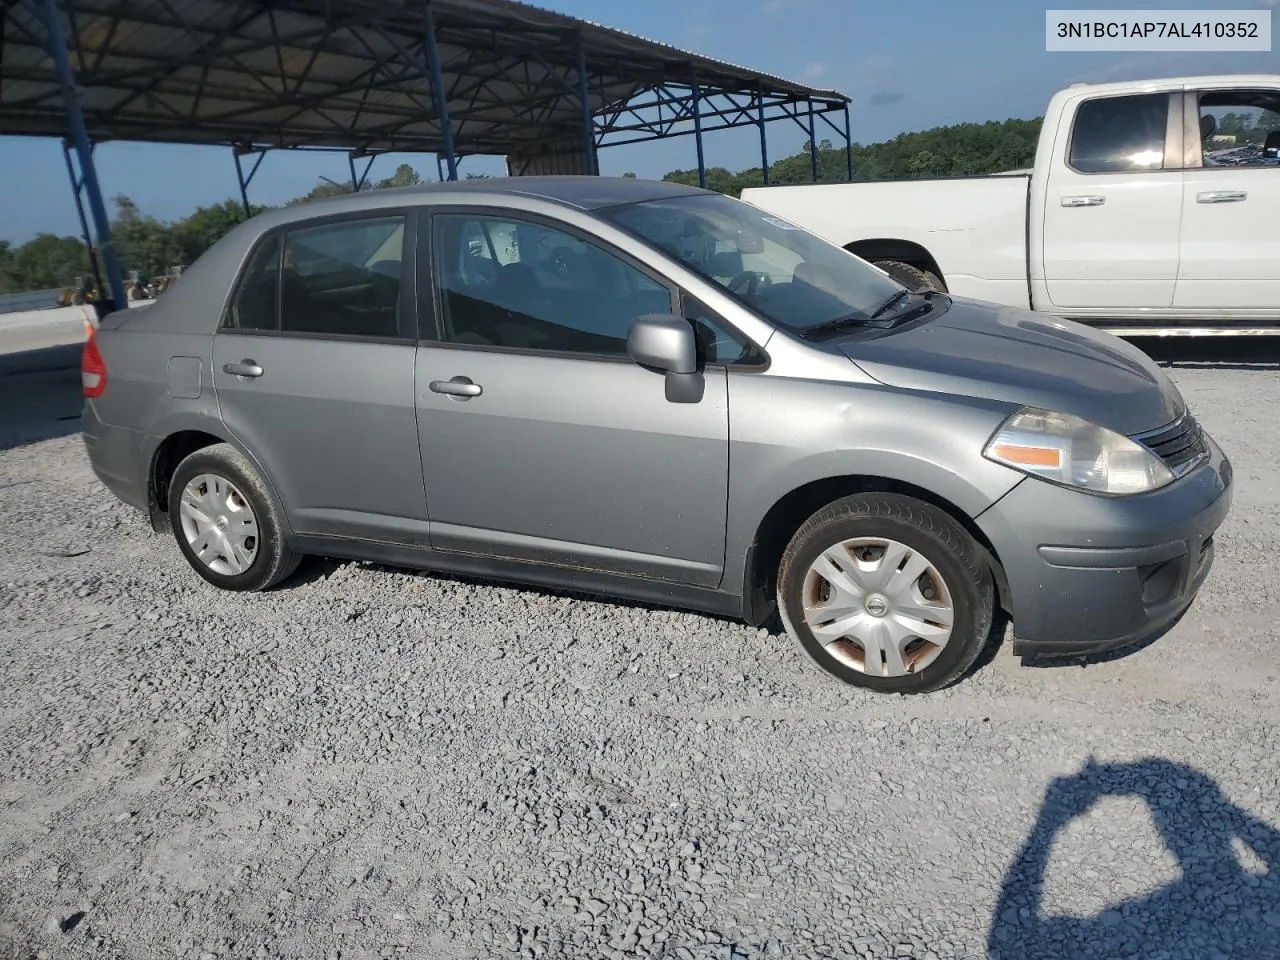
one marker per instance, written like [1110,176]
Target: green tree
[322,191]
[200,230]
[47,261]
[7,284]
[405,176]
[143,243]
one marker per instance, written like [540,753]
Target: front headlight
[1076,453]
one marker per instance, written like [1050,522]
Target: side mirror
[666,343]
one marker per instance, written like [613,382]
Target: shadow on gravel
[40,394]
[1220,908]
[1213,353]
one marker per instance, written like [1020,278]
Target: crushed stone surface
[378,763]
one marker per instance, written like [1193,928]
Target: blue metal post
[84,223]
[237,152]
[244,186]
[588,138]
[848,143]
[764,146]
[697,133]
[442,100]
[84,152]
[813,146]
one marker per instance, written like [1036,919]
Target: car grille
[1180,445]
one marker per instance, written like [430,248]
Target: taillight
[93,372]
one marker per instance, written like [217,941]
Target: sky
[908,64]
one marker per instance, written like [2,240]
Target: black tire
[273,560]
[928,531]
[913,278]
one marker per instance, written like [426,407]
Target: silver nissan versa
[649,391]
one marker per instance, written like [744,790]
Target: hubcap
[878,606]
[219,524]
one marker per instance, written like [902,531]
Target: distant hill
[964,149]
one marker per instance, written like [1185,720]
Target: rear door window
[1120,134]
[343,278]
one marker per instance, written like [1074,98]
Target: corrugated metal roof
[341,73]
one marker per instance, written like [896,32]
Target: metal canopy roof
[355,75]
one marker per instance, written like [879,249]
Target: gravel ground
[379,763]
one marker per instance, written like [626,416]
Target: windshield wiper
[843,323]
[876,318]
[889,304]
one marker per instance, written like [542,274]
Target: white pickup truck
[1153,207]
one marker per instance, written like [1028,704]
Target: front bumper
[1088,574]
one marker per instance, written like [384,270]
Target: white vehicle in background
[1153,208]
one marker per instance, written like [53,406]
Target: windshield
[782,271]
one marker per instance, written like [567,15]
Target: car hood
[978,349]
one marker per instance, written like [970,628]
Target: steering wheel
[753,280]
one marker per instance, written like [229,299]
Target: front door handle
[1221,196]
[1089,201]
[457,387]
[245,369]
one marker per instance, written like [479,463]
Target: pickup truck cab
[1151,208]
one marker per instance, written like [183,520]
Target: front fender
[836,431]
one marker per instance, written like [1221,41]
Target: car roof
[579,192]
[582,192]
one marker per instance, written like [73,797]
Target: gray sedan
[653,392]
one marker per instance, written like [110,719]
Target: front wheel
[886,592]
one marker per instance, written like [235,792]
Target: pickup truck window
[1118,134]
[1239,128]
[788,275]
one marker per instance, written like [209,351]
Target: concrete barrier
[54,327]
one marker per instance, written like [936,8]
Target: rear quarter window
[253,306]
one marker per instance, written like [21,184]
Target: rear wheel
[227,524]
[886,592]
[913,278]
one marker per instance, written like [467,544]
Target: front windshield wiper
[889,304]
[876,318]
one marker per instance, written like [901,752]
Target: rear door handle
[1221,196]
[1089,201]
[245,369]
[457,387]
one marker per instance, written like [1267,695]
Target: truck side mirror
[666,343]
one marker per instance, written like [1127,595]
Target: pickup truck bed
[974,229]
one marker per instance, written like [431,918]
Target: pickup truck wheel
[226,522]
[886,592]
[913,278]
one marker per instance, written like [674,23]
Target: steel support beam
[438,91]
[764,144]
[47,10]
[697,133]
[813,146]
[77,185]
[358,182]
[588,133]
[241,179]
[848,144]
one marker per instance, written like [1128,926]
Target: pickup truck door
[1113,203]
[1231,200]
